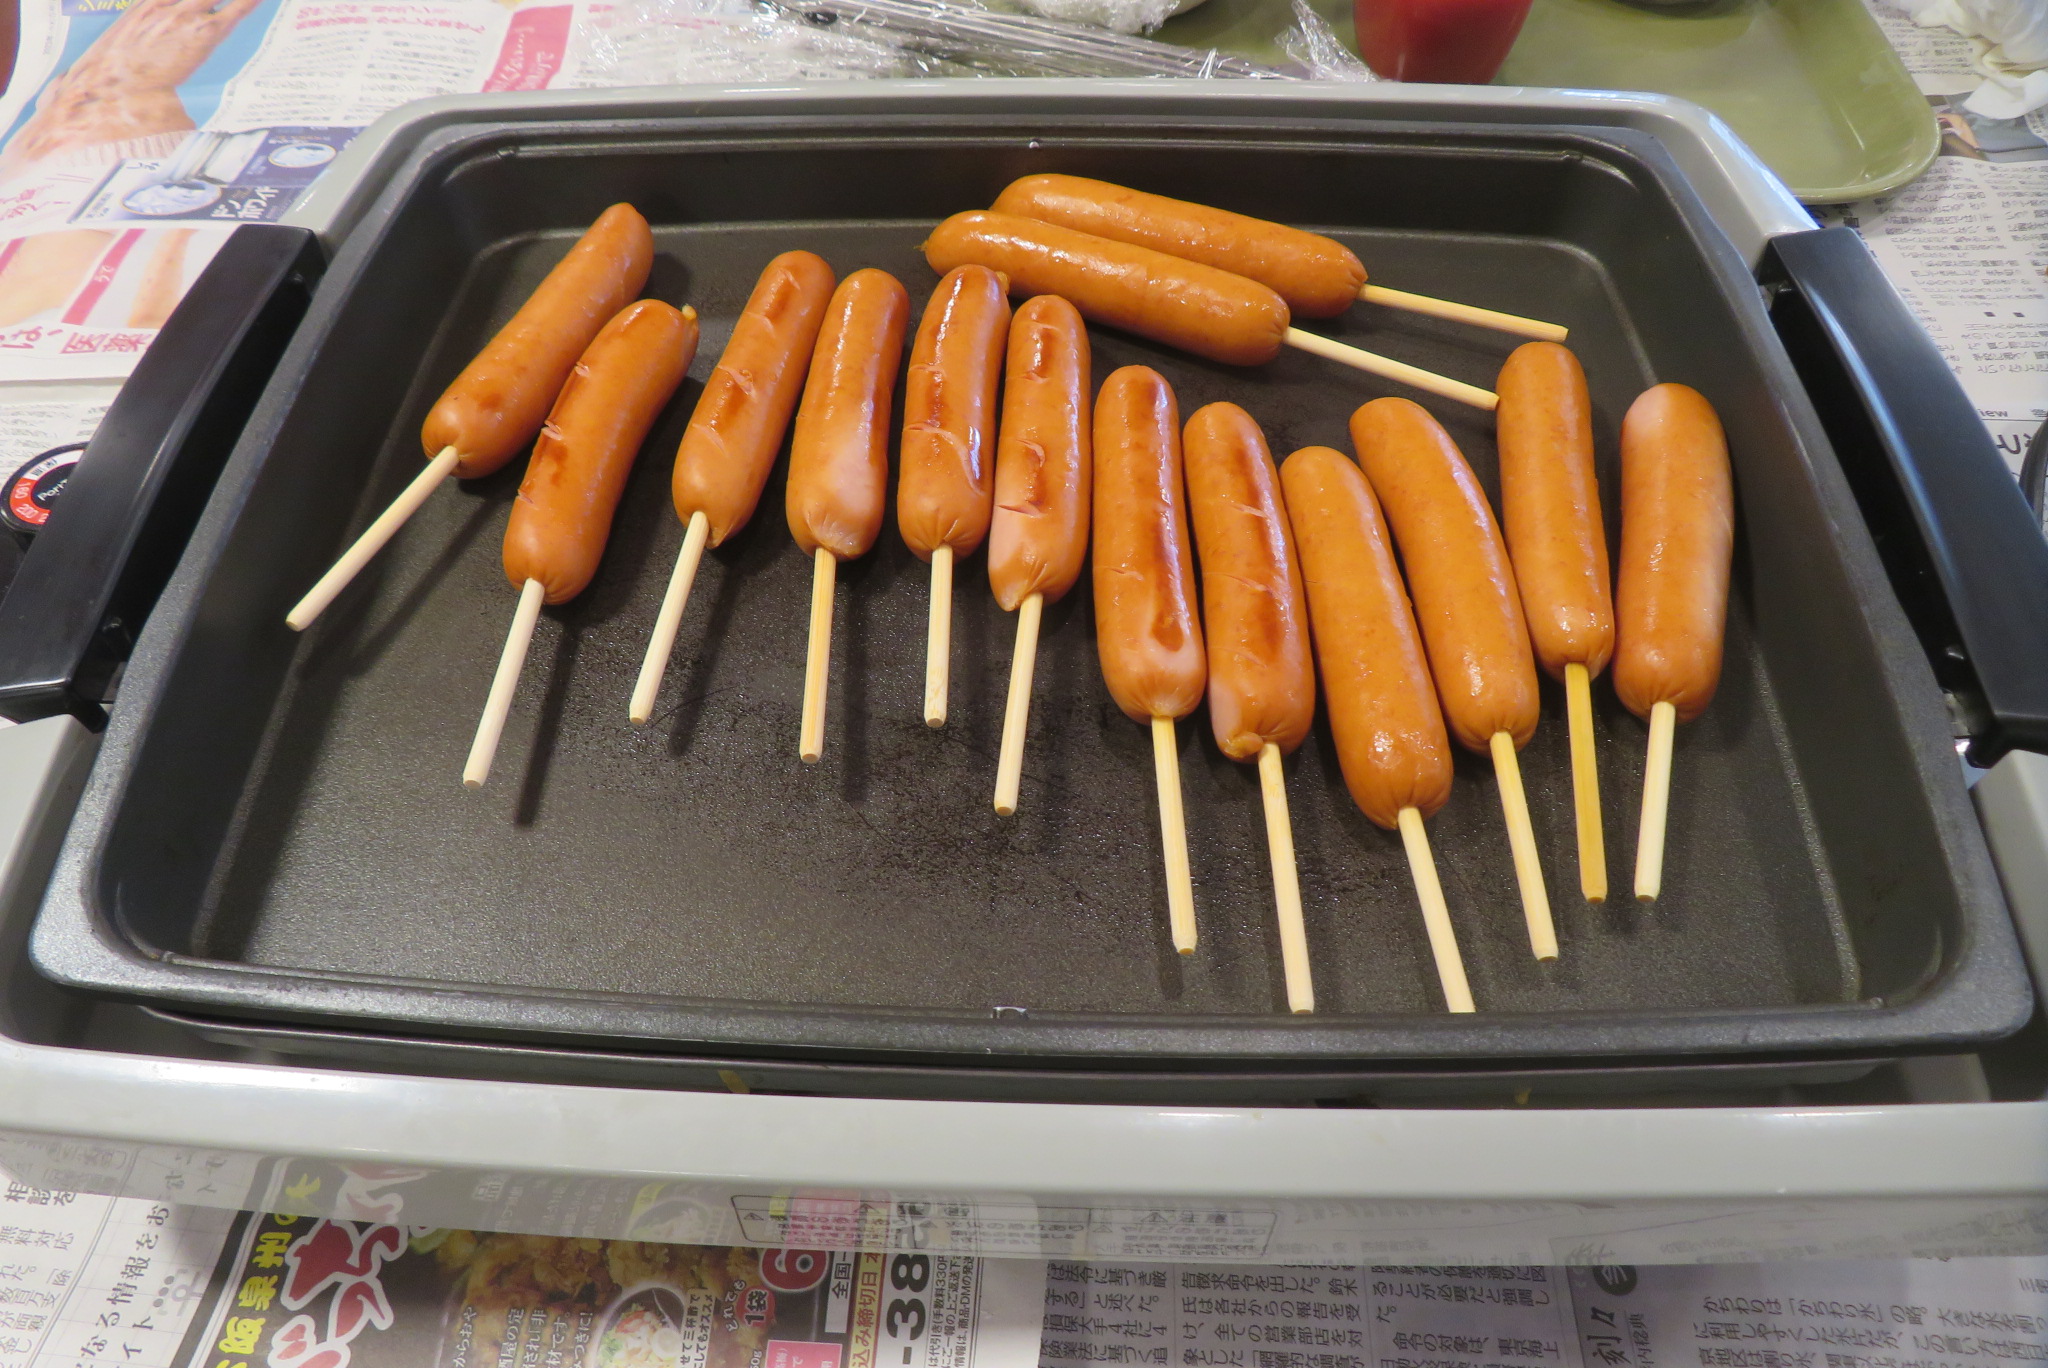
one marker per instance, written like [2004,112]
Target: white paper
[107,218]
[88,1280]
[1966,246]
[1922,1313]
[28,430]
[1918,1313]
[347,62]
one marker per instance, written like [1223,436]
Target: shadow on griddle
[547,727]
[340,637]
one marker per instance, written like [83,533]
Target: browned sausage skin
[728,450]
[1677,540]
[1383,708]
[563,514]
[1146,631]
[1039,537]
[493,408]
[1466,601]
[1184,304]
[947,463]
[1261,682]
[1550,508]
[1318,277]
[839,456]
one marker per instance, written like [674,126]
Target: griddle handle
[114,536]
[1963,550]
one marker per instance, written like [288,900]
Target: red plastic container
[1462,42]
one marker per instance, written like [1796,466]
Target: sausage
[1465,598]
[1039,536]
[1318,277]
[839,457]
[1383,710]
[1146,633]
[730,445]
[1261,685]
[496,405]
[943,493]
[614,392]
[1677,538]
[1184,304]
[1550,508]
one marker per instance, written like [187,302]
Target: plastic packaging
[655,42]
[1118,16]
[1316,49]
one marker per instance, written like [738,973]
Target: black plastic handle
[92,574]
[1958,540]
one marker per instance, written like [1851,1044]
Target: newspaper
[1966,244]
[108,1257]
[137,133]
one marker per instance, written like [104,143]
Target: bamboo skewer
[1514,803]
[1173,835]
[663,643]
[1388,368]
[372,540]
[1017,711]
[938,651]
[818,657]
[1463,313]
[491,726]
[1301,993]
[1656,802]
[1578,695]
[1436,914]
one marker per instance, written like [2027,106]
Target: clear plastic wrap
[1317,50]
[662,42]
[655,42]
[1118,16]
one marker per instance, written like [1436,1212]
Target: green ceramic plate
[1811,85]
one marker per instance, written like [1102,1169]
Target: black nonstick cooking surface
[278,828]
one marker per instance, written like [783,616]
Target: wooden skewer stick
[663,643]
[1017,711]
[938,649]
[1173,835]
[1388,368]
[810,747]
[1463,313]
[503,685]
[1436,914]
[372,541]
[1301,993]
[1578,699]
[1656,802]
[1514,804]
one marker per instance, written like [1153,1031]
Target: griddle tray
[276,830]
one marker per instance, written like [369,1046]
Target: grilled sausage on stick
[839,458]
[1182,303]
[1317,276]
[1262,689]
[1550,511]
[943,491]
[492,410]
[1677,537]
[1039,536]
[1467,608]
[729,447]
[1383,710]
[563,514]
[1146,634]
